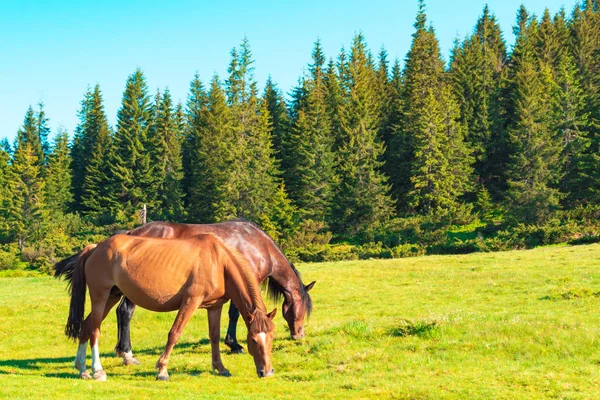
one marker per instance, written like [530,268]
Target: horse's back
[263,255]
[155,273]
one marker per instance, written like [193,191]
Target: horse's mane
[274,290]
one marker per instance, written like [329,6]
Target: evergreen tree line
[502,136]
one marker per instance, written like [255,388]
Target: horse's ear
[271,315]
[309,286]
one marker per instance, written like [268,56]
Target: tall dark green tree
[308,149]
[35,133]
[280,120]
[584,29]
[534,164]
[196,105]
[476,70]
[256,181]
[58,176]
[9,201]
[31,221]
[91,155]
[362,202]
[168,169]
[132,169]
[211,190]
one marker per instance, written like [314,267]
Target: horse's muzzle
[263,374]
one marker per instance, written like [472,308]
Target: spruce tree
[534,169]
[211,192]
[584,30]
[255,182]
[91,157]
[362,202]
[96,199]
[280,120]
[9,200]
[34,132]
[58,176]
[31,220]
[168,170]
[476,70]
[196,105]
[308,150]
[132,169]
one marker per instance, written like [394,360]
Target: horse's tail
[76,274]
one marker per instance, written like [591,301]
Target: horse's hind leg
[123,348]
[102,302]
[214,332]
[188,306]
[230,338]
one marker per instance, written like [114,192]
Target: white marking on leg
[96,366]
[263,337]
[81,355]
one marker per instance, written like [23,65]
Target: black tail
[65,267]
[73,268]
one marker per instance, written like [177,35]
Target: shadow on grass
[27,366]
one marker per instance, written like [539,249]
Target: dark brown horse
[197,272]
[265,259]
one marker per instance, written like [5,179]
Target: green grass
[507,325]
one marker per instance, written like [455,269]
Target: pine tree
[9,200]
[30,192]
[211,193]
[534,161]
[442,165]
[476,70]
[58,176]
[34,132]
[96,199]
[434,162]
[280,120]
[570,122]
[132,168]
[362,202]
[308,153]
[168,170]
[196,105]
[91,157]
[584,30]
[395,165]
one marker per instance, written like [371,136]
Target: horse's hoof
[100,375]
[130,361]
[162,377]
[235,348]
[85,375]
[225,373]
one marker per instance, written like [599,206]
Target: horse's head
[260,342]
[295,309]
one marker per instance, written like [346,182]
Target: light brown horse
[197,272]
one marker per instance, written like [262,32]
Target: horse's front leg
[188,306]
[230,338]
[123,348]
[214,332]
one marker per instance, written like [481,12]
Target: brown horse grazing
[265,259]
[197,272]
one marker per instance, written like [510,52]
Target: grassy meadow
[522,324]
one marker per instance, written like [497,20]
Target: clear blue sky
[51,51]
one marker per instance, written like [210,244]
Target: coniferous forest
[495,149]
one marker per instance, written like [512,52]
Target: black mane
[274,290]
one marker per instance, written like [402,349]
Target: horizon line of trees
[360,141]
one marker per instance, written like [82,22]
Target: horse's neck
[283,273]
[245,293]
